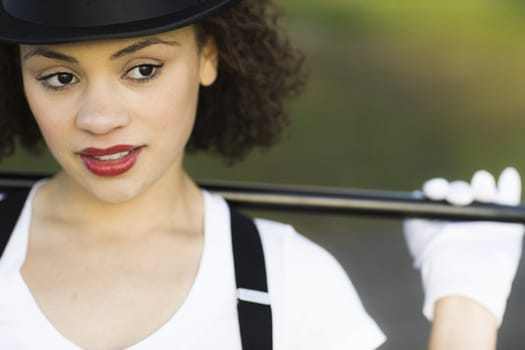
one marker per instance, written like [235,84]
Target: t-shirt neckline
[20,239]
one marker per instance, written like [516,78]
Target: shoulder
[307,284]
[309,261]
[302,263]
[314,303]
[294,251]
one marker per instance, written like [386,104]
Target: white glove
[477,260]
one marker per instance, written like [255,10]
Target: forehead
[182,36]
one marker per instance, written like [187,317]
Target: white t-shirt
[314,304]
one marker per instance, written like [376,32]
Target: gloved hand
[477,260]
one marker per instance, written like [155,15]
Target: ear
[209,62]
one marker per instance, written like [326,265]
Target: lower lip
[108,168]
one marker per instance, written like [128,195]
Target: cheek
[50,113]
[42,108]
[175,105]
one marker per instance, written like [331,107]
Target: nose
[102,111]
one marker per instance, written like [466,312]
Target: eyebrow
[139,45]
[45,52]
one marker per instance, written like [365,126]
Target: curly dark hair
[243,109]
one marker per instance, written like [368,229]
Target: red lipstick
[112,161]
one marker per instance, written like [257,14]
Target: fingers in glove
[436,189]
[460,193]
[483,187]
[457,192]
[509,187]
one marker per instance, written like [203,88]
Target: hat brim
[13,30]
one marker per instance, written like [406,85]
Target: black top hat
[60,21]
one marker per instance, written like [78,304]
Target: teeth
[114,156]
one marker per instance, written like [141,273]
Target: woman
[121,249]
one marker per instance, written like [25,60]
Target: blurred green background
[400,91]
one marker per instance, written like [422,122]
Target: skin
[462,324]
[95,255]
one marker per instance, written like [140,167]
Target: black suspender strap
[255,313]
[10,208]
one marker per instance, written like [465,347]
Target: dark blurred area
[400,91]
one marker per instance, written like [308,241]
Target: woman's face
[117,114]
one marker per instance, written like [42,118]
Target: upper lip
[97,152]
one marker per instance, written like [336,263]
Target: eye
[58,80]
[143,72]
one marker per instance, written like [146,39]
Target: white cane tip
[436,189]
[460,193]
[483,186]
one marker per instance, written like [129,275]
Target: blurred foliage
[399,91]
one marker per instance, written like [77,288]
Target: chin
[114,192]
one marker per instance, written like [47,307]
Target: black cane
[329,200]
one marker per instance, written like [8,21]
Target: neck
[172,203]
